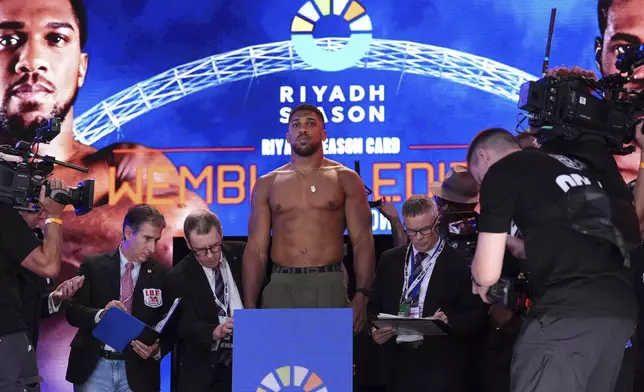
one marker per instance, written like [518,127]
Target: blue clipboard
[118,328]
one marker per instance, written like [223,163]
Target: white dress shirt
[428,276]
[429,264]
[135,275]
[210,275]
[234,299]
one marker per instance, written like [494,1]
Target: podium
[309,350]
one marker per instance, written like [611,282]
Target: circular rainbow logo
[291,378]
[303,25]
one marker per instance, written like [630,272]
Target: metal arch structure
[254,61]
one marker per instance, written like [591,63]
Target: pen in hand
[440,315]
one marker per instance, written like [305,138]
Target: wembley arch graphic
[325,59]
[302,52]
[292,378]
[111,114]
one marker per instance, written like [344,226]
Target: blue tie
[418,269]
[219,290]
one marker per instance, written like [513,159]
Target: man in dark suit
[425,279]
[209,283]
[129,279]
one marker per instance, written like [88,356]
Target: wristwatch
[364,292]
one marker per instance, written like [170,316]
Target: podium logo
[331,59]
[292,378]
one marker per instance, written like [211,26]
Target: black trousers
[223,380]
[18,366]
[569,354]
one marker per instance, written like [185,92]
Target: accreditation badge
[403,310]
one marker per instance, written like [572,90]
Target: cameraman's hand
[52,207]
[481,291]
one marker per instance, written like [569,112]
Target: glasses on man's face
[204,251]
[427,230]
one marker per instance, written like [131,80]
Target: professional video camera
[578,108]
[23,173]
[460,231]
[513,293]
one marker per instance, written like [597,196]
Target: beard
[17,127]
[306,151]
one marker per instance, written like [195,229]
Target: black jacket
[440,361]
[198,317]
[34,293]
[102,285]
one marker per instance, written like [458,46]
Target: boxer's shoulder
[265,182]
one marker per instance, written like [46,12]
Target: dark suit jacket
[440,361]
[198,317]
[102,285]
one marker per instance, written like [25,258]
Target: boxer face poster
[185,104]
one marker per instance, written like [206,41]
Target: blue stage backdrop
[404,86]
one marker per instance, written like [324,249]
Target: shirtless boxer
[42,68]
[307,204]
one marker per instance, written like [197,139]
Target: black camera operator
[583,305]
[19,247]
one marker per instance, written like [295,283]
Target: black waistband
[112,355]
[337,267]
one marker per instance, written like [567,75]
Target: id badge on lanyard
[407,310]
[407,307]
[403,310]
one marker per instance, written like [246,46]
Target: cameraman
[458,195]
[18,367]
[584,308]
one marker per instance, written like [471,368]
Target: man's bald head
[487,148]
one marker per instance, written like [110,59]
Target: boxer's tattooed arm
[256,252]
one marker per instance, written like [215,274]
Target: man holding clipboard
[425,279]
[127,278]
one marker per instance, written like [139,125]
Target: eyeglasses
[427,230]
[204,251]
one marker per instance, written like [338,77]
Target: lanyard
[222,268]
[407,288]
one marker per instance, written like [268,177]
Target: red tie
[127,287]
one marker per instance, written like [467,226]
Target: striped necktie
[219,291]
[418,269]
[127,287]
